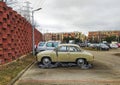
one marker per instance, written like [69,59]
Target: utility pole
[33,27]
[26,12]
[23,8]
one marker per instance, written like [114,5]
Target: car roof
[68,45]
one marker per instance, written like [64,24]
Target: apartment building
[99,36]
[61,36]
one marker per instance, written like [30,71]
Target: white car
[113,46]
[50,45]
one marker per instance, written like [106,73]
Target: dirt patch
[117,54]
[9,71]
[97,65]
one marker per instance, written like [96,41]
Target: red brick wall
[15,35]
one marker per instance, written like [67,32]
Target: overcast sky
[77,15]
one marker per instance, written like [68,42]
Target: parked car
[102,46]
[93,45]
[88,44]
[118,44]
[113,45]
[65,53]
[50,45]
[82,44]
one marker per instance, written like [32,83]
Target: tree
[110,39]
[67,39]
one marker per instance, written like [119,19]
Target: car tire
[46,61]
[80,62]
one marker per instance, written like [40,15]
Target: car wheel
[46,61]
[81,62]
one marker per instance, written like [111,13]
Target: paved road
[106,71]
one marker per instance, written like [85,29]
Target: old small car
[65,53]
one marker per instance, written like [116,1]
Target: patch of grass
[117,54]
[10,71]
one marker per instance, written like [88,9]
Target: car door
[74,53]
[63,54]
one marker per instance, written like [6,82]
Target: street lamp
[33,27]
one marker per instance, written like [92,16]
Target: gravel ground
[106,71]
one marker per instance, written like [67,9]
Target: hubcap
[46,61]
[80,62]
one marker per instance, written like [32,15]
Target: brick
[9,41]
[8,32]
[5,54]
[5,45]
[9,8]
[4,26]
[1,19]
[1,9]
[4,36]
[1,41]
[4,15]
[2,4]
[1,51]
[8,22]
[13,53]
[2,61]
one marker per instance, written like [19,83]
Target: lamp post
[33,27]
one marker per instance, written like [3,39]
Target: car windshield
[41,44]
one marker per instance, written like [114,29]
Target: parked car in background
[113,45]
[50,45]
[118,44]
[102,46]
[65,53]
[82,44]
[93,45]
[105,42]
[88,44]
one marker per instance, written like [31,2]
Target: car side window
[74,49]
[63,49]
[49,44]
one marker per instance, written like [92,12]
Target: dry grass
[10,71]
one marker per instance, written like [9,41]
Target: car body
[66,53]
[102,46]
[50,45]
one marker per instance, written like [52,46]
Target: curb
[20,74]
